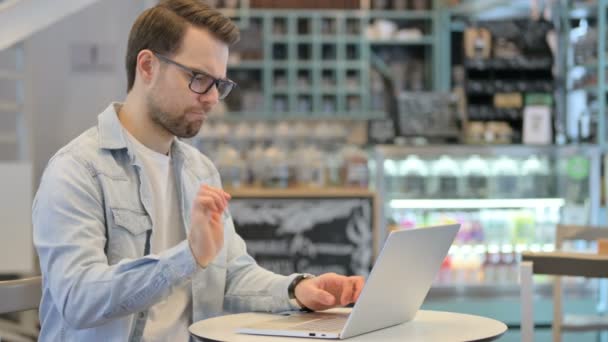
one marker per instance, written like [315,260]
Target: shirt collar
[111,136]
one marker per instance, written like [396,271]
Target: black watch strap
[291,290]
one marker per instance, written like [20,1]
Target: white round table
[427,326]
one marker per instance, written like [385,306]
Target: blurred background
[371,115]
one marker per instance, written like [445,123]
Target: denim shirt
[91,218]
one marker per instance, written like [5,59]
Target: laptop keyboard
[324,324]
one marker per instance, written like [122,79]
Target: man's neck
[134,117]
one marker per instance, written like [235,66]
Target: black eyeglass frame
[194,73]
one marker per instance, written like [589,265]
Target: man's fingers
[209,203]
[323,297]
[358,287]
[347,292]
[219,200]
[226,195]
[216,193]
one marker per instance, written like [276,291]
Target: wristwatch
[291,290]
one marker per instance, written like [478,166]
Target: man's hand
[206,237]
[328,290]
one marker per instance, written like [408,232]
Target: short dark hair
[162,27]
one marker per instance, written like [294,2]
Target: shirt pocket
[127,234]
[134,222]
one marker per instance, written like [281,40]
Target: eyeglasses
[201,82]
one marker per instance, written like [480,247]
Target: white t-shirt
[168,320]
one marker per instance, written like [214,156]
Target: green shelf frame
[425,40]
[335,44]
[392,14]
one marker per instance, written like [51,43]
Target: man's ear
[147,66]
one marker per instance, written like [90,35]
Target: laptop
[393,293]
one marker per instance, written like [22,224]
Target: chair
[16,296]
[559,264]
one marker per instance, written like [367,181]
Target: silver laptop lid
[400,279]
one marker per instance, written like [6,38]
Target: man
[131,225]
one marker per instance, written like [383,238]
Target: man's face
[171,104]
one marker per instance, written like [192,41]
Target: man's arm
[250,287]
[69,235]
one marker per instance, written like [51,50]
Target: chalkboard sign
[428,114]
[312,235]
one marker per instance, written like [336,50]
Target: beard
[178,125]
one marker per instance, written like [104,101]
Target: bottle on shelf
[413,173]
[505,178]
[242,138]
[262,133]
[301,135]
[507,270]
[231,167]
[278,166]
[257,167]
[355,172]
[309,166]
[277,171]
[536,178]
[476,172]
[445,175]
[492,264]
[524,226]
[392,179]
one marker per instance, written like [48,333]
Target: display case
[508,200]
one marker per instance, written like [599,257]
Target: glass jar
[301,134]
[261,134]
[536,178]
[333,173]
[355,171]
[392,179]
[505,178]
[310,167]
[256,163]
[414,173]
[242,137]
[446,176]
[278,172]
[231,167]
[323,136]
[476,172]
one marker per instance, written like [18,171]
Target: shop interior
[362,117]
